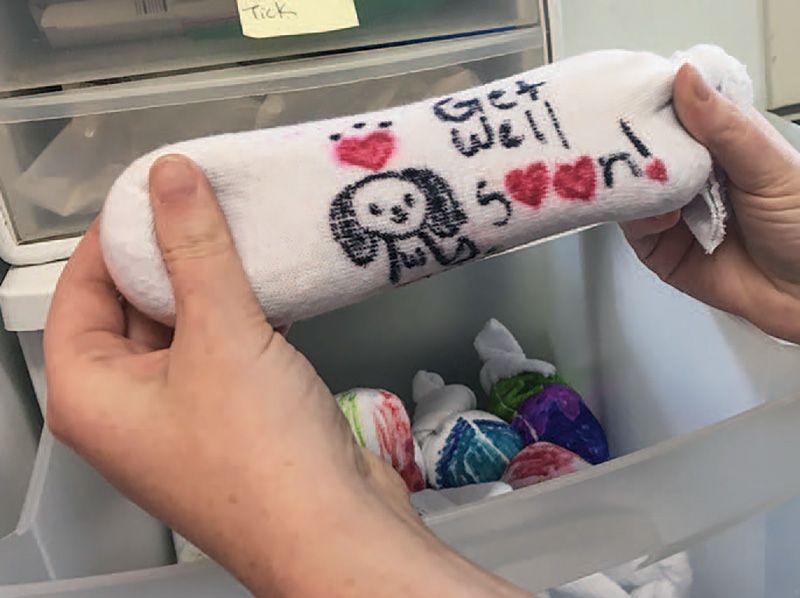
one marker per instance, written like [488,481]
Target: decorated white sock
[380,424]
[508,377]
[459,447]
[327,213]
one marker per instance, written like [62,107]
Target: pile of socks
[669,578]
[537,428]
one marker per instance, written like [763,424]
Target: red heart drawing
[529,185]
[657,171]
[371,151]
[576,181]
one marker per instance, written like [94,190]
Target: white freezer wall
[736,25]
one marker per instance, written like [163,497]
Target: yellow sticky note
[272,18]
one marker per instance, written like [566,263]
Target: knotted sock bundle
[327,213]
[559,415]
[459,446]
[380,424]
[508,377]
[540,462]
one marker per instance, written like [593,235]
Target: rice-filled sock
[435,402]
[459,447]
[559,415]
[380,423]
[327,213]
[508,377]
[540,462]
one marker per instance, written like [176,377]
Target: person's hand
[223,430]
[755,273]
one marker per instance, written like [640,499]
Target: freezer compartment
[60,152]
[57,42]
[75,524]
[663,373]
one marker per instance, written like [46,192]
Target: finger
[210,286]
[85,314]
[669,252]
[639,229]
[145,332]
[738,142]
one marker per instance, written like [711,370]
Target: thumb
[207,276]
[753,156]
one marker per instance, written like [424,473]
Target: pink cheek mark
[656,170]
[371,151]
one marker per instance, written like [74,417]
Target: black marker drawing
[536,132]
[484,199]
[411,212]
[556,124]
[476,142]
[474,126]
[655,168]
[494,99]
[607,164]
[532,89]
[507,137]
[643,150]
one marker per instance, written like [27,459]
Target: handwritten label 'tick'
[273,18]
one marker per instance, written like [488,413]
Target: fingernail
[173,178]
[702,91]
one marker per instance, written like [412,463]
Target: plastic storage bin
[663,371]
[75,524]
[58,42]
[60,152]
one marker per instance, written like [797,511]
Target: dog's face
[390,206]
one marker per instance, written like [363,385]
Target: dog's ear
[360,245]
[443,213]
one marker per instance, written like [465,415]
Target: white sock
[380,424]
[502,356]
[460,445]
[327,213]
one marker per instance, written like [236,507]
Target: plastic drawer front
[54,42]
[60,152]
[542,537]
[75,524]
[617,333]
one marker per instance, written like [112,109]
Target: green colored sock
[509,393]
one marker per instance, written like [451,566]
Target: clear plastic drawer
[62,42]
[60,151]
